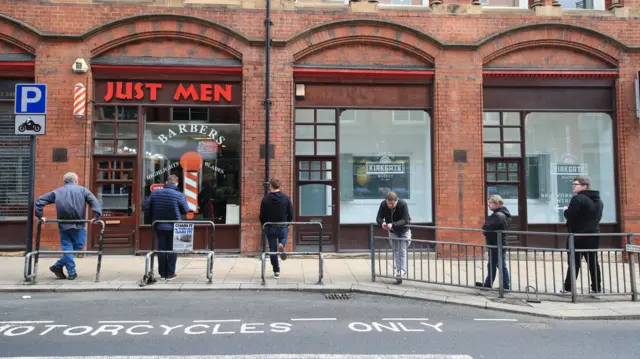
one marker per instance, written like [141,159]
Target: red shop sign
[156,186]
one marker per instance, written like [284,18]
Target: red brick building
[444,103]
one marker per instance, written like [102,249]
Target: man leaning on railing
[393,215]
[71,200]
[498,221]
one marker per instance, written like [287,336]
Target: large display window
[202,147]
[382,151]
[560,146]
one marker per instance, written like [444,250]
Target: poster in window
[183,236]
[565,173]
[375,176]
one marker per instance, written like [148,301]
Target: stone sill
[490,10]
[237,3]
[582,12]
[408,8]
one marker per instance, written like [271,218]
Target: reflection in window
[315,200]
[560,146]
[216,148]
[115,199]
[381,151]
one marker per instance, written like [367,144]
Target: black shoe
[481,285]
[57,271]
[73,276]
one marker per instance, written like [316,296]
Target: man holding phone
[393,216]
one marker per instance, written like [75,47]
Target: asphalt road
[268,323]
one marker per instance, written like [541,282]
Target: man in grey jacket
[70,200]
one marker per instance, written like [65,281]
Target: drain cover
[338,296]
[535,326]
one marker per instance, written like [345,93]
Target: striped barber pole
[191,190]
[79,100]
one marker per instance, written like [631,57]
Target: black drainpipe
[267,96]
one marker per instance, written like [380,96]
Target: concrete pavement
[123,273]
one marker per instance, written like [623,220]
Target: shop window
[115,130]
[559,147]
[315,132]
[177,141]
[502,134]
[114,183]
[378,155]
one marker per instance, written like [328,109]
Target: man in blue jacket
[167,204]
[71,201]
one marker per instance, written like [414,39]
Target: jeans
[492,269]
[400,259]
[276,235]
[166,261]
[71,240]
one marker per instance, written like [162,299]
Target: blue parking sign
[31,99]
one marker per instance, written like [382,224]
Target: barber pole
[79,100]
[191,163]
[191,190]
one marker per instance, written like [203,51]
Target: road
[263,324]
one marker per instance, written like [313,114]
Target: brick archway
[375,32]
[587,41]
[19,34]
[150,27]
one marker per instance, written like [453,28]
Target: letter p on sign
[31,99]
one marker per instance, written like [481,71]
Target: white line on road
[495,320]
[398,319]
[271,356]
[29,322]
[218,321]
[311,319]
[123,321]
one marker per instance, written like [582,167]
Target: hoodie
[276,207]
[584,212]
[499,220]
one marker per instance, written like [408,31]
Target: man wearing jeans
[71,201]
[393,215]
[168,204]
[498,221]
[276,207]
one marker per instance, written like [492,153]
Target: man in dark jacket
[167,204]
[276,207]
[394,217]
[498,221]
[71,201]
[583,216]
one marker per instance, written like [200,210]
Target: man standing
[168,204]
[498,221]
[276,207]
[71,200]
[393,215]
[583,216]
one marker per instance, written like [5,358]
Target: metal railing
[30,275]
[149,276]
[529,270]
[319,253]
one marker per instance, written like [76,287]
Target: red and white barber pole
[79,101]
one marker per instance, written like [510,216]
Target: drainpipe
[267,96]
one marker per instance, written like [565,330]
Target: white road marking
[271,356]
[495,320]
[398,319]
[311,319]
[123,322]
[29,322]
[218,321]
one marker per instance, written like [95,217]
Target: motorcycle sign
[30,124]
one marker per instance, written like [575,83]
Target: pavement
[300,274]
[290,325]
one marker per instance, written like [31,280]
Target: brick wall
[384,37]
